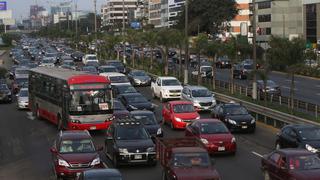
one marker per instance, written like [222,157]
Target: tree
[200,45]
[110,42]
[133,38]
[151,38]
[214,50]
[208,15]
[179,39]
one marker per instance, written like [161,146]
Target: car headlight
[233,140]
[132,107]
[137,80]
[123,150]
[198,117]
[232,121]
[95,161]
[204,141]
[151,149]
[159,131]
[62,162]
[311,149]
[178,119]
[253,121]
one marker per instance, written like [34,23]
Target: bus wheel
[59,123]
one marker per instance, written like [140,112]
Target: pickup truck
[166,88]
[184,159]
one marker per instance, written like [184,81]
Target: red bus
[70,99]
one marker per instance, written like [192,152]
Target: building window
[264,5]
[264,18]
[311,23]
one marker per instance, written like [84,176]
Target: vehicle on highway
[242,71]
[223,62]
[287,164]
[100,174]
[271,88]
[299,136]
[72,152]
[122,89]
[90,70]
[119,65]
[107,69]
[19,82]
[116,78]
[185,158]
[235,116]
[135,101]
[166,88]
[128,142]
[5,93]
[89,58]
[139,78]
[179,114]
[77,56]
[81,101]
[213,133]
[69,63]
[23,99]
[119,110]
[148,119]
[201,97]
[204,70]
[47,62]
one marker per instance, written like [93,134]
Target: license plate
[138,156]
[244,127]
[221,148]
[93,128]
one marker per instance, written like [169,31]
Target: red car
[179,114]
[291,164]
[214,135]
[73,152]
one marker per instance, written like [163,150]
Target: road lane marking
[257,154]
[30,116]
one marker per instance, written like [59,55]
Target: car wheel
[278,145]
[115,161]
[266,175]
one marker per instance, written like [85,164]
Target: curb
[297,75]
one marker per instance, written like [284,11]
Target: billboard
[3,5]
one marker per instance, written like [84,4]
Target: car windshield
[201,93]
[191,160]
[308,162]
[183,108]
[89,69]
[23,93]
[51,55]
[134,132]
[76,146]
[136,99]
[126,89]
[248,66]
[117,105]
[310,134]
[108,69]
[213,128]
[91,57]
[170,82]
[138,73]
[146,119]
[236,110]
[118,79]
[47,61]
[90,102]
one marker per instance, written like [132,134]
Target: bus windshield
[90,102]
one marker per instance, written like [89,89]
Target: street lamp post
[186,44]
[254,31]
[76,19]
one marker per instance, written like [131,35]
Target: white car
[23,99]
[116,78]
[203,71]
[166,88]
[89,58]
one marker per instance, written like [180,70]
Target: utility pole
[95,18]
[186,72]
[254,31]
[76,19]
[123,33]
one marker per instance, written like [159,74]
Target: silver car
[23,99]
[202,98]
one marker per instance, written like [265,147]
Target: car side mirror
[53,150]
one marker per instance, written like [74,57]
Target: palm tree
[214,50]
[166,41]
[110,42]
[200,44]
[151,39]
[180,42]
[133,38]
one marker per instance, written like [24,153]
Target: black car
[128,142]
[119,111]
[235,116]
[299,136]
[100,174]
[135,101]
[5,93]
[119,65]
[122,89]
[77,56]
[139,78]
[148,119]
[242,71]
[223,62]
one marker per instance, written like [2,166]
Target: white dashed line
[257,154]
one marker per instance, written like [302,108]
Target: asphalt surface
[25,143]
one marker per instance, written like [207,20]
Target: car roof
[179,102]
[136,112]
[195,87]
[209,120]
[102,172]
[189,150]
[131,94]
[295,151]
[166,77]
[111,74]
[74,134]
[231,104]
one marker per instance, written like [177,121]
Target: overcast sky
[22,7]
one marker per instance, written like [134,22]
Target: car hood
[196,173]
[203,99]
[226,137]
[240,118]
[142,78]
[173,87]
[313,174]
[79,157]
[129,144]
[187,116]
